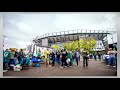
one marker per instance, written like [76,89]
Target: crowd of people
[64,58]
[14,57]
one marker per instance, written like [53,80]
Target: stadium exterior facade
[50,39]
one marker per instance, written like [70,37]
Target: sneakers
[61,67]
[114,66]
[108,65]
[65,66]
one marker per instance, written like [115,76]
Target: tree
[91,43]
[88,43]
[65,46]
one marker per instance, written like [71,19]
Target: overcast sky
[20,29]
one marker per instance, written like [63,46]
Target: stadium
[49,39]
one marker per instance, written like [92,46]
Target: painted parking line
[106,69]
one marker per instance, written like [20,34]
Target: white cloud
[85,21]
[22,28]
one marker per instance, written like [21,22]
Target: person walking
[85,57]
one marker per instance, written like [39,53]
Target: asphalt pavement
[95,68]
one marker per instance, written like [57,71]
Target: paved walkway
[95,68]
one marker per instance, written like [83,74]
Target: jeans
[85,61]
[77,60]
[112,59]
[58,60]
